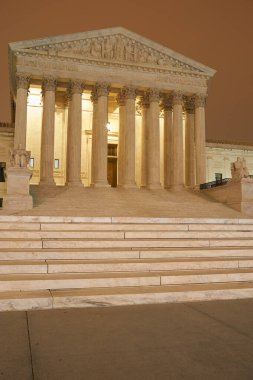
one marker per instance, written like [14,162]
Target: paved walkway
[212,340]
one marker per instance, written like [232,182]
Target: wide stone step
[121,253]
[101,266]
[152,243]
[104,297]
[62,281]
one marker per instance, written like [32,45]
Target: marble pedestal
[18,197]
[237,195]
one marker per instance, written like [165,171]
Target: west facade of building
[110,107]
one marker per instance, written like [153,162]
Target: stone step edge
[126,220]
[57,299]
[120,275]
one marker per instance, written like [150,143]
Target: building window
[31,162]
[2,170]
[56,163]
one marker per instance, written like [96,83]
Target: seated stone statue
[239,169]
[19,158]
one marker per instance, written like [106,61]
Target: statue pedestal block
[18,197]
[235,194]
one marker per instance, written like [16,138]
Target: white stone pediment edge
[28,44]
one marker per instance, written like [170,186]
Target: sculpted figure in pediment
[96,49]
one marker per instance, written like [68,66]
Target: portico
[68,89]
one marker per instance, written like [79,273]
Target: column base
[101,184]
[47,182]
[154,186]
[131,185]
[177,187]
[74,184]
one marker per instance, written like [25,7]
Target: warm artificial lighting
[108,126]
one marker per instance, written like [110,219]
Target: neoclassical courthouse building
[111,107]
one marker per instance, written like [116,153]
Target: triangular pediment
[114,46]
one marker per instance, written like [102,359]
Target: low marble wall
[237,195]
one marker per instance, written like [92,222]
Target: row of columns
[150,140]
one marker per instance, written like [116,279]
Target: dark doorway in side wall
[112,165]
[2,170]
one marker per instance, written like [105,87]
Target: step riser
[126,235]
[48,267]
[133,254]
[123,282]
[58,302]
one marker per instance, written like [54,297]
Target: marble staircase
[56,262]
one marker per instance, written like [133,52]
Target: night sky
[217,33]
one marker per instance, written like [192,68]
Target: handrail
[218,182]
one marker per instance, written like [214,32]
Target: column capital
[189,104]
[76,87]
[126,93]
[144,101]
[48,84]
[102,88]
[23,80]
[94,95]
[200,100]
[153,94]
[167,102]
[177,98]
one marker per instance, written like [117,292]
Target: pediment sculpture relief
[116,48]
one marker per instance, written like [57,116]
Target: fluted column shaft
[23,81]
[153,141]
[75,134]
[94,99]
[167,140]
[47,132]
[144,104]
[190,176]
[177,174]
[126,151]
[200,139]
[100,151]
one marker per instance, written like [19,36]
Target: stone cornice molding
[23,80]
[167,103]
[200,100]
[154,95]
[177,98]
[76,87]
[48,84]
[102,88]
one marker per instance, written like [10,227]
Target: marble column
[153,141]
[200,139]
[126,150]
[23,81]
[177,173]
[47,132]
[74,134]
[167,140]
[101,144]
[94,99]
[189,143]
[144,106]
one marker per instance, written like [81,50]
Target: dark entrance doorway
[112,163]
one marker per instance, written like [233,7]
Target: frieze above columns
[23,80]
